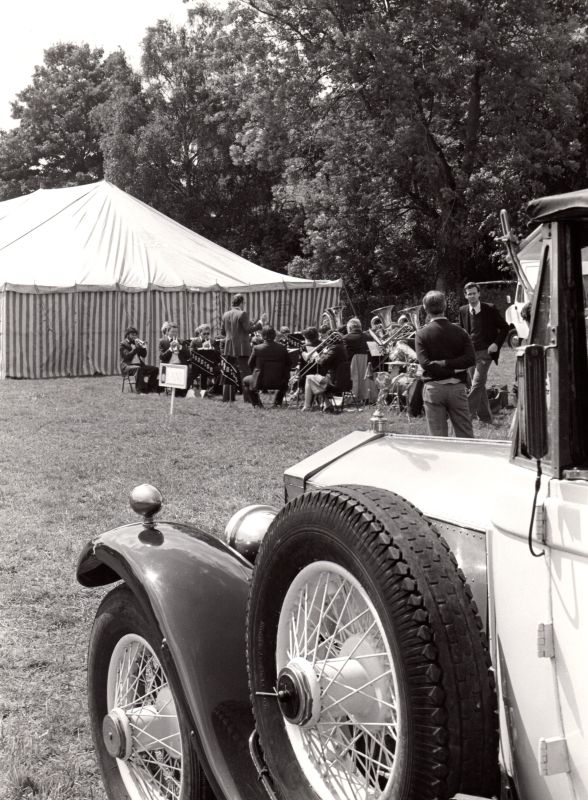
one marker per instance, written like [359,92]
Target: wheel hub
[116,733]
[299,693]
[346,685]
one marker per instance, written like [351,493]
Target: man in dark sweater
[445,352]
[272,362]
[488,330]
[132,361]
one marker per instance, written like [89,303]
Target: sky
[29,28]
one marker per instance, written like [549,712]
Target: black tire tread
[120,608]
[452,693]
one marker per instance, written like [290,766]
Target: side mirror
[532,393]
[508,300]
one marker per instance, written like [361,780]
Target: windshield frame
[566,350]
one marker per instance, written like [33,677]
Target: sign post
[173,376]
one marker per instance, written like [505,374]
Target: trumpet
[140,342]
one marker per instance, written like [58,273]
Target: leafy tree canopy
[57,141]
[374,140]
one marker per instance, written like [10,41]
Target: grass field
[70,452]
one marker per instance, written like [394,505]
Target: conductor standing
[236,328]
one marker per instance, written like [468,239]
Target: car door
[567,527]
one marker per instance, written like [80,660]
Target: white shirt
[476,309]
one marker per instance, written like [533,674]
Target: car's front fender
[195,589]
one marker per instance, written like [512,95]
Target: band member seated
[282,336]
[355,339]
[308,362]
[204,365]
[270,366]
[311,337]
[132,360]
[204,332]
[174,350]
[377,329]
[324,331]
[333,359]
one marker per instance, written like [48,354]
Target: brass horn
[333,317]
[385,314]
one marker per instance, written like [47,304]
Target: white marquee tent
[78,265]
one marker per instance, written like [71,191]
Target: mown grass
[70,452]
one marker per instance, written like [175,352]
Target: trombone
[318,350]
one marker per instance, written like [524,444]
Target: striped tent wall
[63,333]
[296,308]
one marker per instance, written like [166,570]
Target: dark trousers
[252,395]
[146,377]
[478,398]
[204,375]
[229,388]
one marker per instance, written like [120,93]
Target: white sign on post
[173,376]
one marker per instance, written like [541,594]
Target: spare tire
[368,669]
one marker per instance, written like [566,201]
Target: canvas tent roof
[97,236]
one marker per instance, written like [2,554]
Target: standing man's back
[236,328]
[445,352]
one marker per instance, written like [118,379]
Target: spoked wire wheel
[140,726]
[143,718]
[331,642]
[368,670]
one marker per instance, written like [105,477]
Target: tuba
[333,317]
[394,331]
[385,314]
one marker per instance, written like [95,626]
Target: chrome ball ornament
[146,501]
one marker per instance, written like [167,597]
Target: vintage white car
[411,625]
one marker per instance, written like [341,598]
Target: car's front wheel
[513,339]
[368,671]
[139,727]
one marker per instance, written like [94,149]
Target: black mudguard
[195,589]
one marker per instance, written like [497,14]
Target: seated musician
[307,364]
[324,331]
[333,358]
[204,365]
[311,337]
[376,330]
[174,350]
[205,333]
[282,337]
[270,367]
[132,360]
[355,339]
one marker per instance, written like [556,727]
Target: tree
[172,144]
[424,120]
[57,140]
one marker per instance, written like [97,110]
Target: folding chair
[130,378]
[333,393]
